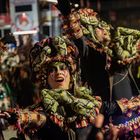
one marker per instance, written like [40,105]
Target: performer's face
[102,35]
[58,76]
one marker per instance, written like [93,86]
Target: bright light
[52,1]
[24,15]
[25,32]
[76,5]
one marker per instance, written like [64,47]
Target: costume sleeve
[32,118]
[129,105]
[122,106]
[110,108]
[24,119]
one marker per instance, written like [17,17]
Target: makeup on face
[58,75]
[57,66]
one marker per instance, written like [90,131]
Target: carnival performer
[121,46]
[5,92]
[68,110]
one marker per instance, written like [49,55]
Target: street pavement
[9,133]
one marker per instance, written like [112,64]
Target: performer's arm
[122,106]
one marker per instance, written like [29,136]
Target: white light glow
[52,1]
[25,32]
[76,5]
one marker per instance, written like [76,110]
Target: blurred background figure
[5,94]
[6,100]
[16,88]
[24,89]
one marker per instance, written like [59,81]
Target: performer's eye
[52,69]
[63,67]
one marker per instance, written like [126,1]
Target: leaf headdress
[50,50]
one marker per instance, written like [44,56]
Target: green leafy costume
[123,47]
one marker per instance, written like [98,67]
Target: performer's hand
[99,120]
[10,117]
[4,115]
[114,132]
